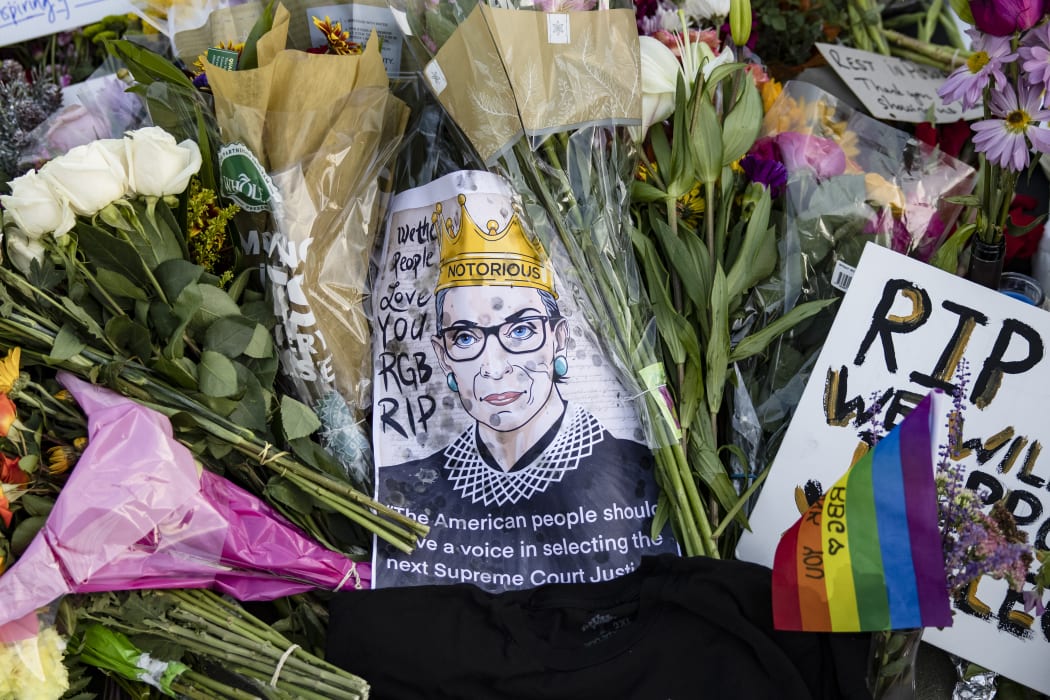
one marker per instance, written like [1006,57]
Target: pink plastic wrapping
[137,512]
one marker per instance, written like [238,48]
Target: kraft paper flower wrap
[324,129]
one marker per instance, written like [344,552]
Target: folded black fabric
[673,628]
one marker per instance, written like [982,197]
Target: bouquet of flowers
[502,74]
[308,142]
[102,279]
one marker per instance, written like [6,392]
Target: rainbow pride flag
[867,555]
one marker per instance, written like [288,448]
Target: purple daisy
[1035,55]
[768,172]
[1005,140]
[967,82]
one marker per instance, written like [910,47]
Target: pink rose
[823,157]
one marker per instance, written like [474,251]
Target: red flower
[950,138]
[10,473]
[1023,247]
[8,413]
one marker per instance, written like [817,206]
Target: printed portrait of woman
[535,490]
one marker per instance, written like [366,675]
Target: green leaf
[254,403]
[216,375]
[297,420]
[131,337]
[106,251]
[261,344]
[947,255]
[118,285]
[663,510]
[758,252]
[250,53]
[229,335]
[181,371]
[36,505]
[146,66]
[24,533]
[692,393]
[705,462]
[718,344]
[757,341]
[643,192]
[287,494]
[661,152]
[705,141]
[66,345]
[743,123]
[215,304]
[174,275]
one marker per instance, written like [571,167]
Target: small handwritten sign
[892,88]
[27,19]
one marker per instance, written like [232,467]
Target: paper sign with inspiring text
[497,419]
[905,329]
[892,88]
[27,19]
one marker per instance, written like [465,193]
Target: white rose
[90,176]
[22,250]
[36,208]
[157,166]
[660,70]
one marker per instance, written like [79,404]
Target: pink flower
[823,157]
[1004,17]
[967,82]
[1006,140]
[1035,55]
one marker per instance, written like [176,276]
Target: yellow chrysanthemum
[690,206]
[770,91]
[80,443]
[338,40]
[33,668]
[60,459]
[9,368]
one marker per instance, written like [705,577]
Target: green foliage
[788,29]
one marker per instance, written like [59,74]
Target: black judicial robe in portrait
[577,507]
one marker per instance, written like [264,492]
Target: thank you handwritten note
[27,19]
[892,88]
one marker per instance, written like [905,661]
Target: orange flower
[10,473]
[8,413]
[5,516]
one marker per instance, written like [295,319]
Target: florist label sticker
[903,330]
[892,88]
[243,179]
[498,422]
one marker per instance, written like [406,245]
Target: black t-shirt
[673,628]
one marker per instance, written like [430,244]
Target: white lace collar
[478,482]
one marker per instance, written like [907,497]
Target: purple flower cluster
[975,543]
[1014,109]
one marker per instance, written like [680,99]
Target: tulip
[1004,17]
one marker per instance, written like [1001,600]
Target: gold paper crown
[474,256]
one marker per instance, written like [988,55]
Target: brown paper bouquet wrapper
[325,128]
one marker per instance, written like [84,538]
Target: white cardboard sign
[892,88]
[901,331]
[27,19]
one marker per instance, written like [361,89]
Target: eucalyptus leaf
[216,375]
[297,420]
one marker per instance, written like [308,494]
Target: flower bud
[740,21]
[1004,17]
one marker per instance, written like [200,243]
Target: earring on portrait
[561,366]
[450,379]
